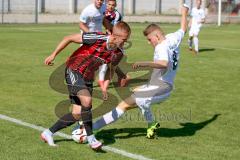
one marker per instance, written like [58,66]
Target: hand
[138,65]
[49,60]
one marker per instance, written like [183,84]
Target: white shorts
[146,95]
[194,31]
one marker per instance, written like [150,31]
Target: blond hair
[122,26]
[151,28]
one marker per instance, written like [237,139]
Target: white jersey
[197,16]
[168,50]
[93,17]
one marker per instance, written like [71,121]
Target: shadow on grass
[206,50]
[63,140]
[187,129]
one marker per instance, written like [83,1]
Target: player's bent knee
[127,104]
[86,103]
[76,111]
[76,115]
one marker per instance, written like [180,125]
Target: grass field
[199,121]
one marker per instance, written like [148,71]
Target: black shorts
[75,83]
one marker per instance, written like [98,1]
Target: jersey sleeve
[90,38]
[117,18]
[174,39]
[84,16]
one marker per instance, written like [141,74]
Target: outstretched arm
[74,38]
[160,64]
[184,23]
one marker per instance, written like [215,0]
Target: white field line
[107,148]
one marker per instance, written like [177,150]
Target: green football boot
[151,131]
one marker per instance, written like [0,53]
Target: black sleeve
[89,38]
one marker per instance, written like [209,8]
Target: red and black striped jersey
[93,53]
[114,17]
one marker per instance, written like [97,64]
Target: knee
[76,111]
[124,106]
[86,108]
[86,104]
[76,115]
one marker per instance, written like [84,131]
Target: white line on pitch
[39,128]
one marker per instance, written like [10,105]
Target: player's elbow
[161,65]
[82,26]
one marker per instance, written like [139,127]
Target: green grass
[199,121]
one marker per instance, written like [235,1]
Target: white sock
[108,118]
[148,116]
[48,132]
[195,41]
[102,72]
[91,138]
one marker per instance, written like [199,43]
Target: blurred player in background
[160,85]
[111,18]
[92,16]
[195,24]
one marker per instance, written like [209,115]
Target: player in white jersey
[164,64]
[196,21]
[92,16]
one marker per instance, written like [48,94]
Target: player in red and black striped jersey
[94,52]
[97,49]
